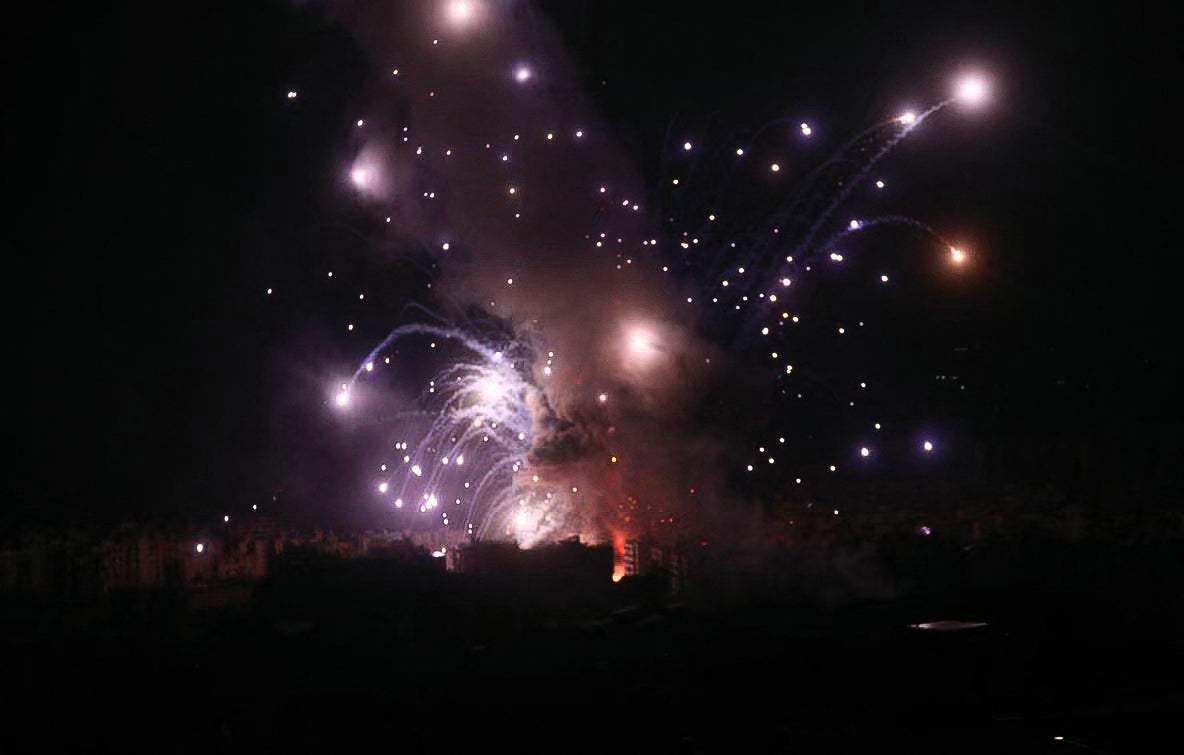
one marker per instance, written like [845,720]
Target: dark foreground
[335,656]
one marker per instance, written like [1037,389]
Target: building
[568,568]
[646,558]
[135,559]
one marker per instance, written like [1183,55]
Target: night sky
[163,183]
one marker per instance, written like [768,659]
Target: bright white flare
[957,256]
[490,388]
[972,89]
[522,73]
[461,12]
[641,344]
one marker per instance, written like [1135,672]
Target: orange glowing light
[618,555]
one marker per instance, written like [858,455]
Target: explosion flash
[477,450]
[497,419]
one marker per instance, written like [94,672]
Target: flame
[618,555]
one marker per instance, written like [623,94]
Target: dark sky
[158,183]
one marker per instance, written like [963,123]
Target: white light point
[461,13]
[972,89]
[383,487]
[291,96]
[640,342]
[907,118]
[200,547]
[927,446]
[957,256]
[523,74]
[491,389]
